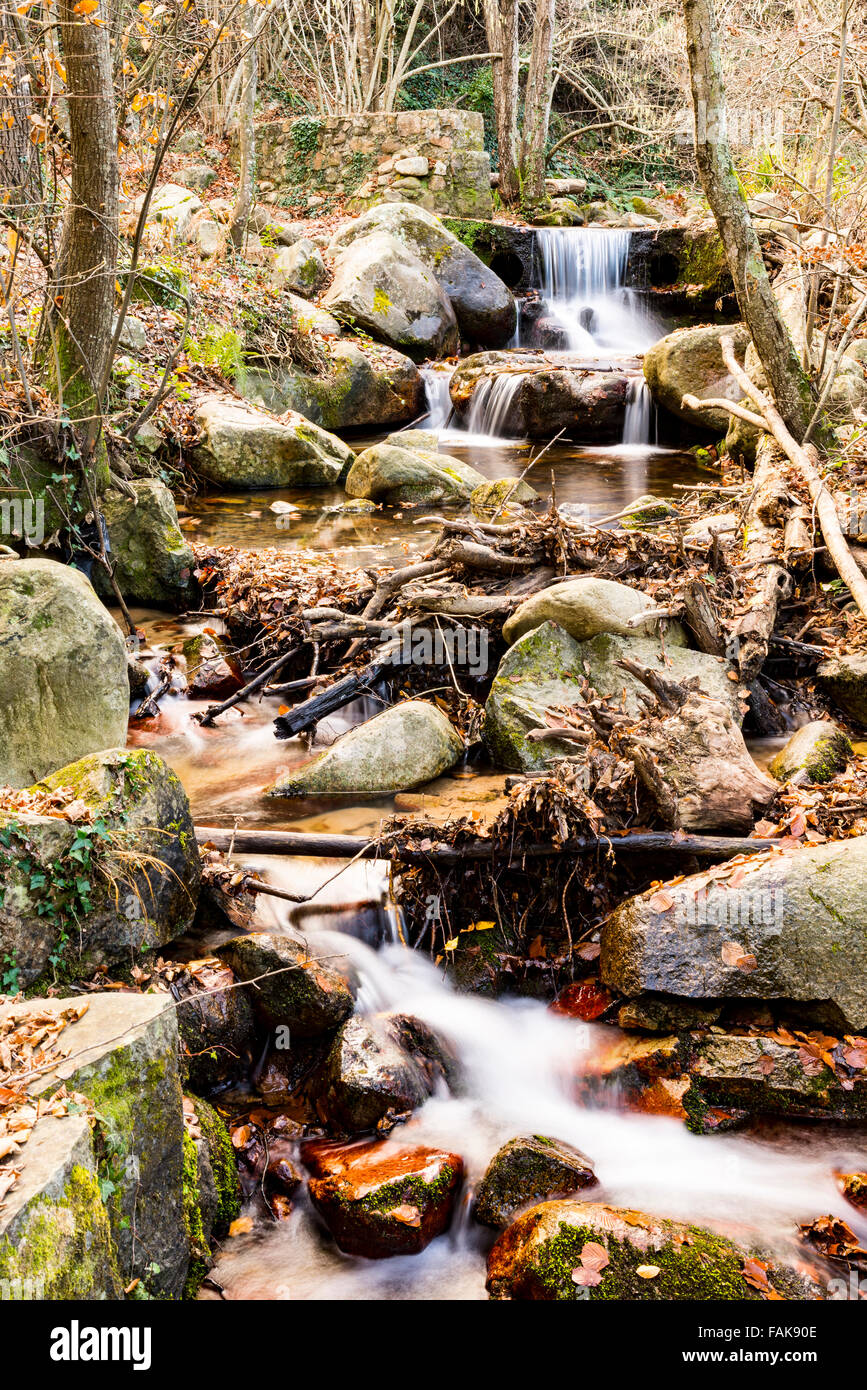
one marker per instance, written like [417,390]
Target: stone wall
[435,158]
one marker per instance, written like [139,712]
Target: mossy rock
[538,1256]
[211,1187]
[154,561]
[646,508]
[301,993]
[394,475]
[819,749]
[528,1170]
[501,495]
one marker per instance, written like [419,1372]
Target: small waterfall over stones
[584,295]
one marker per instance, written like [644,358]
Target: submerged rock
[154,561]
[484,307]
[585,607]
[688,362]
[242,447]
[820,750]
[370,1077]
[383,288]
[63,671]
[403,747]
[627,1255]
[300,992]
[380,1199]
[529,1169]
[791,930]
[395,474]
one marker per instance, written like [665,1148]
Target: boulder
[627,1256]
[844,680]
[213,670]
[379,1199]
[215,1022]
[504,496]
[585,607]
[299,268]
[78,896]
[210,238]
[602,654]
[760,1075]
[403,747]
[173,206]
[820,750]
[308,997]
[370,1077]
[198,177]
[528,1170]
[688,362]
[242,447]
[212,1191]
[62,671]
[362,385]
[535,401]
[273,226]
[484,307]
[382,288]
[394,474]
[791,930]
[154,560]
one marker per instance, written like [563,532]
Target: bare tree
[537,105]
[501,28]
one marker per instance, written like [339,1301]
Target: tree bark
[501,28]
[537,105]
[246,150]
[17,151]
[84,288]
[759,310]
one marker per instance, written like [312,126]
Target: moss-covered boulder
[242,447]
[370,1077]
[154,560]
[299,268]
[688,362]
[568,1251]
[844,680]
[501,496]
[602,654]
[819,749]
[648,507]
[586,606]
[362,383]
[117,880]
[300,992]
[379,1199]
[528,1170]
[396,474]
[484,307]
[540,671]
[383,288]
[792,929]
[403,747]
[62,671]
[211,1187]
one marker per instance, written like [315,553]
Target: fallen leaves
[594,1259]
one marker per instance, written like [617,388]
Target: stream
[520,1060]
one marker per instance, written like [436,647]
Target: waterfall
[582,273]
[639,422]
[436,391]
[491,402]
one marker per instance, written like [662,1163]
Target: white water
[639,422]
[582,285]
[520,1062]
[491,403]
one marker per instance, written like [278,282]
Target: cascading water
[491,403]
[639,422]
[582,272]
[437,399]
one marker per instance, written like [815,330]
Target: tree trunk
[247,151]
[17,151]
[84,289]
[759,310]
[537,105]
[501,28]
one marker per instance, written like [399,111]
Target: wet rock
[539,398]
[212,1191]
[243,447]
[601,655]
[403,747]
[154,560]
[503,496]
[844,679]
[139,677]
[431,1053]
[299,268]
[854,1188]
[689,362]
[391,474]
[539,1258]
[213,670]
[484,307]
[820,750]
[62,671]
[528,1170]
[659,1013]
[795,919]
[216,1024]
[542,669]
[370,1079]
[380,1199]
[307,995]
[383,288]
[763,1076]
[585,607]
